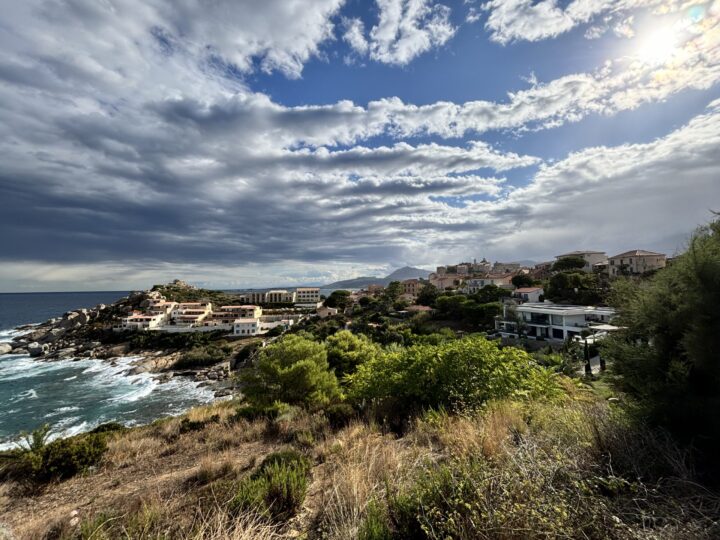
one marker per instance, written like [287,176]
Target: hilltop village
[526,308]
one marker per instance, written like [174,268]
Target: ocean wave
[28,394]
[61,410]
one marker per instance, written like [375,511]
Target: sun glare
[659,45]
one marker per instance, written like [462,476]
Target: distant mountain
[407,272]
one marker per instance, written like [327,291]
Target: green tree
[293,370]
[427,295]
[522,280]
[490,293]
[346,351]
[463,372]
[574,287]
[338,299]
[568,263]
[667,351]
[392,292]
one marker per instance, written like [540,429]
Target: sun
[658,46]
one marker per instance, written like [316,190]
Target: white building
[246,327]
[140,321]
[590,257]
[190,313]
[553,322]
[307,295]
[528,294]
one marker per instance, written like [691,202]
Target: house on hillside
[552,322]
[590,257]
[636,261]
[528,294]
[476,284]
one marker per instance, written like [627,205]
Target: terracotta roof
[638,253]
[528,289]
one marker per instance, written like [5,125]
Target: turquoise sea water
[74,396]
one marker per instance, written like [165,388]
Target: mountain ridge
[406,272]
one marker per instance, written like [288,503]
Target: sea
[74,396]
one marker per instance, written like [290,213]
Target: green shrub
[346,351]
[40,461]
[375,526]
[109,427]
[277,489]
[67,457]
[187,425]
[339,415]
[253,412]
[293,370]
[201,356]
[461,373]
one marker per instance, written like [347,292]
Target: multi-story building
[505,268]
[637,261]
[411,286]
[591,258]
[553,322]
[190,313]
[140,321]
[252,297]
[309,296]
[225,316]
[246,326]
[280,296]
[476,284]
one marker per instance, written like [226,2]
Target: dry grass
[360,463]
[129,448]
[218,526]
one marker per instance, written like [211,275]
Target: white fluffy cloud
[405,30]
[132,143]
[531,20]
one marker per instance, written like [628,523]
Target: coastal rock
[52,335]
[5,348]
[137,370]
[36,349]
[20,350]
[212,375]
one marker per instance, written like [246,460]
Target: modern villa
[552,322]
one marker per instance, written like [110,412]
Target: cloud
[405,30]
[133,145]
[530,20]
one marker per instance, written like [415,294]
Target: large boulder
[52,335]
[5,348]
[36,349]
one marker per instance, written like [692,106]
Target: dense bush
[169,340]
[277,488]
[253,412]
[41,461]
[293,370]
[464,372]
[346,351]
[667,353]
[339,414]
[203,356]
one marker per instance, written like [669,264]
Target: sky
[285,142]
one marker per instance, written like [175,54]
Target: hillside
[406,272]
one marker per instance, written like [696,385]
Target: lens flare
[659,45]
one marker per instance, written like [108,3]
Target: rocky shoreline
[77,335]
